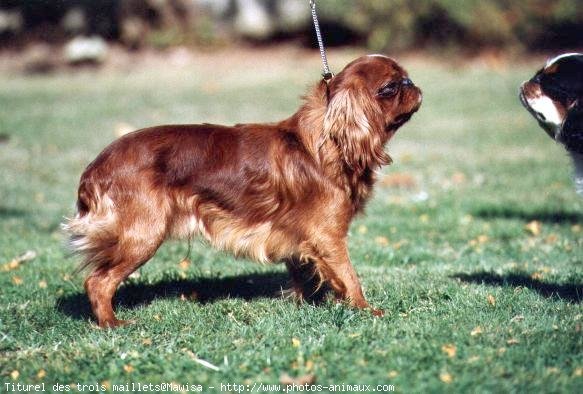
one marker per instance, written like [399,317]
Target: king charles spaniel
[554,96]
[278,192]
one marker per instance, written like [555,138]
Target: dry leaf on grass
[534,227]
[393,374]
[491,300]
[296,342]
[41,374]
[536,276]
[184,264]
[298,381]
[14,374]
[512,341]
[383,241]
[23,258]
[446,378]
[476,331]
[458,178]
[449,349]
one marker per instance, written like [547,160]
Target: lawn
[473,243]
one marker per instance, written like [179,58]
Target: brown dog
[271,192]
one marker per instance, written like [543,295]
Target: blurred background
[44,35]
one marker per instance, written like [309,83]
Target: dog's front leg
[335,267]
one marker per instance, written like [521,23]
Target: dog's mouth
[399,121]
[540,118]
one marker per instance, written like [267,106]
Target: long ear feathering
[572,137]
[354,121]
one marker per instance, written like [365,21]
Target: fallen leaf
[184,264]
[128,368]
[296,342]
[147,342]
[491,299]
[14,374]
[393,374]
[383,241]
[41,374]
[551,239]
[23,258]
[17,280]
[156,317]
[536,276]
[362,229]
[473,359]
[476,331]
[449,349]
[309,365]
[512,341]
[458,178]
[578,372]
[42,284]
[446,378]
[398,245]
[298,381]
[533,227]
[482,239]
[501,351]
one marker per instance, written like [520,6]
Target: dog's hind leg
[115,242]
[102,283]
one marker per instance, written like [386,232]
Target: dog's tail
[92,233]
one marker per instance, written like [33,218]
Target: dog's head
[554,96]
[368,101]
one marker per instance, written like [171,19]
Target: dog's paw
[115,323]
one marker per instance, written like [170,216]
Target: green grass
[442,267]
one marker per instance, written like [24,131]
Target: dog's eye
[389,89]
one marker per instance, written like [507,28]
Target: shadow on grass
[547,216]
[572,293]
[202,290]
[7,212]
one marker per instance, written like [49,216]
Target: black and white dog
[554,96]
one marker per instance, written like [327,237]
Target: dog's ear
[572,130]
[354,121]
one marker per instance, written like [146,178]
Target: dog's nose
[407,82]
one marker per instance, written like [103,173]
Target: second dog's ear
[572,130]
[354,121]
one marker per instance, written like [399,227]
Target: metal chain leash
[327,74]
